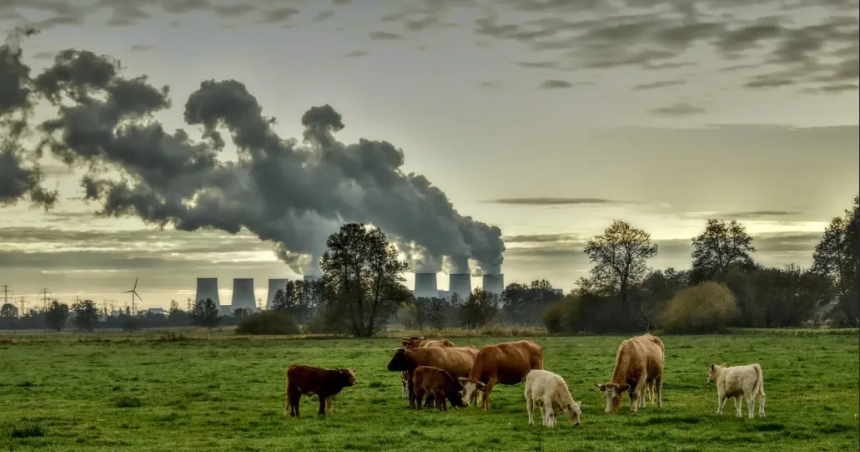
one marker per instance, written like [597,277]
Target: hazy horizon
[545,119]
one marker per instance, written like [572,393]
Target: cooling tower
[494,283]
[274,286]
[461,284]
[425,285]
[207,288]
[243,295]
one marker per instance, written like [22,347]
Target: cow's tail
[759,381]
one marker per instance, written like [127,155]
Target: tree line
[362,291]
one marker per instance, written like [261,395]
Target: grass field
[228,394]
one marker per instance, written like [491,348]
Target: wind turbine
[134,293]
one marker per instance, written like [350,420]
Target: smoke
[290,192]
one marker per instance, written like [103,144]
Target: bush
[554,316]
[706,308]
[268,322]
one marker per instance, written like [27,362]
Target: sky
[546,119]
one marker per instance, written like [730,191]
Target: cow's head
[572,412]
[348,377]
[401,361]
[714,372]
[471,389]
[613,393]
[456,397]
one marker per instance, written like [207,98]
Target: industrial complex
[425,287]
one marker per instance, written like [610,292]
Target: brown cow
[456,360]
[507,363]
[638,369]
[418,342]
[325,383]
[438,383]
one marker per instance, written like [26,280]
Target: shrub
[706,308]
[268,322]
[554,316]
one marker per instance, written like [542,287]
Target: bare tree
[619,257]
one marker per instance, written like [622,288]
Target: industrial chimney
[207,288]
[494,283]
[461,284]
[274,286]
[425,285]
[243,295]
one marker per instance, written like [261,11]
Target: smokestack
[461,284]
[494,283]
[207,288]
[425,285]
[243,295]
[274,286]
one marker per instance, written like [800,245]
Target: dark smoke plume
[290,192]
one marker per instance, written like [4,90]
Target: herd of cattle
[443,372]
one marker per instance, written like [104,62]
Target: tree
[86,315]
[57,315]
[176,316]
[720,246]
[619,257]
[657,289]
[205,314]
[837,257]
[479,309]
[292,300]
[437,312]
[364,277]
[788,297]
[8,316]
[515,301]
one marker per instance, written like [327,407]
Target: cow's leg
[542,414]
[403,377]
[635,393]
[644,395]
[658,386]
[488,389]
[761,404]
[737,400]
[529,408]
[322,406]
[328,406]
[441,405]
[410,387]
[419,397]
[751,405]
[293,398]
[721,402]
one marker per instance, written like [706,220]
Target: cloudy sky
[546,118]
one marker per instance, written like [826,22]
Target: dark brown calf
[324,383]
[440,384]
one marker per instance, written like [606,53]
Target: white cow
[737,382]
[550,393]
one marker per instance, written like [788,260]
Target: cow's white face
[470,389]
[572,412]
[612,392]
[712,373]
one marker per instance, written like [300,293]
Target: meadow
[227,394]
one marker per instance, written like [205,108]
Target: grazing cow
[507,363]
[438,383]
[325,383]
[418,342]
[456,360]
[549,391]
[638,369]
[737,382]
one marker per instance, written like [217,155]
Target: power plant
[243,295]
[274,286]
[494,283]
[207,288]
[425,285]
[461,284]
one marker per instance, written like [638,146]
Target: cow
[438,383]
[418,342]
[549,391]
[737,382]
[456,360]
[639,370]
[507,363]
[324,383]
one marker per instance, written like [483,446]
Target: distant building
[157,311]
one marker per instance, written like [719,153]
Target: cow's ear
[713,366]
[601,388]
[463,380]
[480,385]
[723,365]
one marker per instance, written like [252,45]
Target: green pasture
[227,394]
